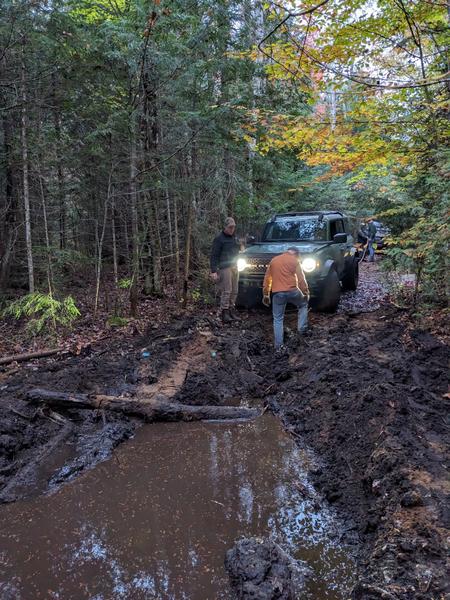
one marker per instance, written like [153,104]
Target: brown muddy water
[155,520]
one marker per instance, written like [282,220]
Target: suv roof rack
[319,213]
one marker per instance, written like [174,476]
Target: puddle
[156,519]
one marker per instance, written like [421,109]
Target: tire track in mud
[193,357]
[371,404]
[365,393]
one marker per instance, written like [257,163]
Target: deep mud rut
[366,392]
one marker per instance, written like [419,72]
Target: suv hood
[280,247]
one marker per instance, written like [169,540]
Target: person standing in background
[224,254]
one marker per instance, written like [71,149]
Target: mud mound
[367,394]
[260,570]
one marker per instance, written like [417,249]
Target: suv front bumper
[252,284]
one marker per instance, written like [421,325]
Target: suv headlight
[241,264]
[309,264]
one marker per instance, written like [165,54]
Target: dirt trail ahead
[366,392]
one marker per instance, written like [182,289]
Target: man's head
[229,226]
[293,250]
[370,220]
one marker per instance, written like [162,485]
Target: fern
[43,310]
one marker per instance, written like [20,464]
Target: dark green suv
[327,254]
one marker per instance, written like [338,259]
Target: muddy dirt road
[366,393]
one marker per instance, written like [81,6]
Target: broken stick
[29,355]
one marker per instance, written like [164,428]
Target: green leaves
[43,311]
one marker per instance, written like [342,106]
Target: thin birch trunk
[100,246]
[26,188]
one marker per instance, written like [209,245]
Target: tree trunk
[60,174]
[47,237]
[8,214]
[187,251]
[230,191]
[134,228]
[149,411]
[26,189]
[177,247]
[100,244]
[113,236]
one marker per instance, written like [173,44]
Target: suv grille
[257,264]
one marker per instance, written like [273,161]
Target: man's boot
[226,317]
[234,314]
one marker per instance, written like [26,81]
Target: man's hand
[214,276]
[266,300]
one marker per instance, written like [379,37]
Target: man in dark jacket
[224,253]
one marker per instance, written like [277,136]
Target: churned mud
[156,521]
[366,393]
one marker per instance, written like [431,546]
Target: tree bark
[134,226]
[60,174]
[156,410]
[177,247]
[113,237]
[26,188]
[8,214]
[100,244]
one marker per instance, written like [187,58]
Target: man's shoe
[281,351]
[226,317]
[305,332]
[234,314]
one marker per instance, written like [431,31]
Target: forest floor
[366,392]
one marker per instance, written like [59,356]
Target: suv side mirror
[249,240]
[340,238]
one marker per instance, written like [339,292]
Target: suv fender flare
[330,265]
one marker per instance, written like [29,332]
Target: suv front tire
[351,276]
[330,295]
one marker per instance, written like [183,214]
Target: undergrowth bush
[43,311]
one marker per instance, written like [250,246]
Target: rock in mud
[411,499]
[261,570]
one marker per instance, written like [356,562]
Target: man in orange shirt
[285,277]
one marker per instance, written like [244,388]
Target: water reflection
[156,521]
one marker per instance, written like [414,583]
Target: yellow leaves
[92,12]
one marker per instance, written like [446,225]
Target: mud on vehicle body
[327,254]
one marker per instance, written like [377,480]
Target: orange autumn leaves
[342,147]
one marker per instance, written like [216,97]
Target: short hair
[229,221]
[294,249]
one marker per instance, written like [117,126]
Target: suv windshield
[295,230]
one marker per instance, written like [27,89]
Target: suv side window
[336,227]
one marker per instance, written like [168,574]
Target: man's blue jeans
[279,301]
[371,251]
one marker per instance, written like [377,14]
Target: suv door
[338,251]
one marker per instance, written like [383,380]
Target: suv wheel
[331,293]
[351,276]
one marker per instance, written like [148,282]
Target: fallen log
[150,412]
[29,355]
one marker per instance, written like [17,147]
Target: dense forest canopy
[129,129]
